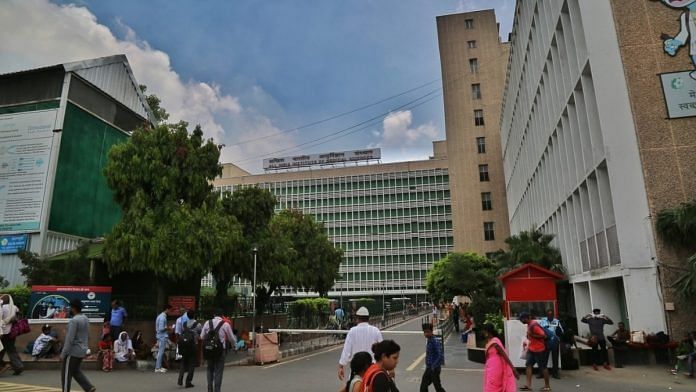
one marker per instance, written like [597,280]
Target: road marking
[415,363]
[8,387]
[462,370]
[303,357]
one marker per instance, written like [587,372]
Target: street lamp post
[253,289]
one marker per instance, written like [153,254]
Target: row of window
[383,213]
[391,229]
[292,189]
[371,199]
[398,244]
[393,259]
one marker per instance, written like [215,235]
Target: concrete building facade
[473,61]
[392,220]
[591,156]
[57,125]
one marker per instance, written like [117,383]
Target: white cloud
[402,142]
[38,33]
[471,5]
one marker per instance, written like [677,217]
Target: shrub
[309,312]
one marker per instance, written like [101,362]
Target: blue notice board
[10,244]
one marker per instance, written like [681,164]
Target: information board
[322,159]
[11,244]
[680,94]
[53,302]
[26,140]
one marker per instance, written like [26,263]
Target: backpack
[369,377]
[187,340]
[551,340]
[212,345]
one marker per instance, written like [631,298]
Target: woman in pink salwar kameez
[499,374]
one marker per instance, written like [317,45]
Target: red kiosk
[528,288]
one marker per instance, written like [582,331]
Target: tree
[677,227]
[154,102]
[172,224]
[531,246]
[296,252]
[3,282]
[253,208]
[72,270]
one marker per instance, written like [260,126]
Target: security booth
[528,288]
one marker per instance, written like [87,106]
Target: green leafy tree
[71,270]
[253,208]
[154,103]
[466,274]
[677,227]
[296,252]
[3,282]
[172,224]
[531,246]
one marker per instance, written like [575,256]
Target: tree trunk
[222,284]
[161,294]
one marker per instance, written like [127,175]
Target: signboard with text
[680,94]
[53,302]
[11,244]
[177,302]
[26,140]
[322,159]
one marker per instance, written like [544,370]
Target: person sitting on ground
[123,348]
[687,351]
[358,366]
[45,344]
[106,353]
[379,377]
[139,347]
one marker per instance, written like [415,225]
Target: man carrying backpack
[536,351]
[188,344]
[552,327]
[215,335]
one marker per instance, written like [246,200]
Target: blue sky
[266,66]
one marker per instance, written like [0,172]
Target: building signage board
[680,94]
[322,159]
[53,302]
[177,302]
[26,140]
[11,244]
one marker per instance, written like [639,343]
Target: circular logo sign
[4,242]
[91,295]
[677,83]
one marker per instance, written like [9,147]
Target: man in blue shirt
[554,325]
[162,335]
[117,319]
[434,358]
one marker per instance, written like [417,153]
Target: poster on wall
[680,94]
[12,244]
[26,140]
[178,302]
[53,302]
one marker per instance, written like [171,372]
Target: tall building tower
[473,61]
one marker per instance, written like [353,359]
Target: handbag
[523,349]
[19,327]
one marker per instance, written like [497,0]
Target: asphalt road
[317,372]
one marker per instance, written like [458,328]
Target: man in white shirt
[360,338]
[216,365]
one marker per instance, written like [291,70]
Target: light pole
[253,290]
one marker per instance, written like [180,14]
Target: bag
[19,327]
[638,337]
[212,345]
[551,341]
[369,377]
[187,340]
[523,349]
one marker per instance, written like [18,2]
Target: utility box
[267,348]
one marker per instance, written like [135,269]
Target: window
[476,91]
[488,231]
[483,173]
[486,202]
[469,24]
[478,117]
[471,44]
[481,145]
[473,65]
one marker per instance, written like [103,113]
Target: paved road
[317,372]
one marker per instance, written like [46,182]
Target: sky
[266,78]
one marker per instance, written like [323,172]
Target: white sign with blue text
[680,94]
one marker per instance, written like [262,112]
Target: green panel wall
[83,204]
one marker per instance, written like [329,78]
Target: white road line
[415,363]
[462,370]
[303,357]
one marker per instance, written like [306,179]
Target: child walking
[434,359]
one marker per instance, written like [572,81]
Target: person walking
[340,316]
[75,349]
[434,358]
[598,341]
[554,325]
[380,376]
[215,334]
[358,366]
[187,344]
[536,351]
[455,317]
[359,338]
[8,316]
[117,321]
[162,335]
[178,328]
[500,374]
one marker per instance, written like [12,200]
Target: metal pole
[253,289]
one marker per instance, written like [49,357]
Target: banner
[11,244]
[26,140]
[322,159]
[53,302]
[181,301]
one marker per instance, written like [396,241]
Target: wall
[667,147]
